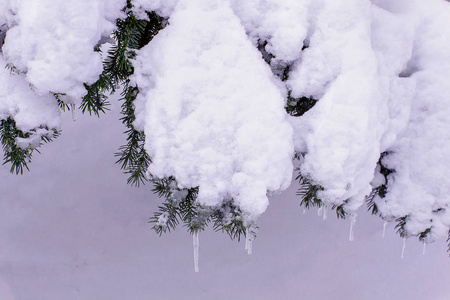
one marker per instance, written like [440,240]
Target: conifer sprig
[133,157]
[308,193]
[181,205]
[401,222]
[297,107]
[131,34]
[20,157]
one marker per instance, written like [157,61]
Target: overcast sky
[73,229]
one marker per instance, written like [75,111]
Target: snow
[420,186]
[50,45]
[19,101]
[163,8]
[282,24]
[52,42]
[211,106]
[341,133]
[213,109]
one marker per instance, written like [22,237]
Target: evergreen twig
[401,230]
[308,192]
[297,107]
[379,191]
[17,156]
[181,206]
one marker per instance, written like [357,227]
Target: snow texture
[341,134]
[420,186]
[19,101]
[214,114]
[213,110]
[282,24]
[52,41]
[380,71]
[49,45]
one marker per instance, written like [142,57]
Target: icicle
[424,248]
[324,213]
[403,248]
[320,211]
[351,237]
[196,245]
[304,211]
[248,241]
[74,115]
[384,228]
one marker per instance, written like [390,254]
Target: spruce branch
[229,218]
[17,156]
[297,107]
[181,206]
[401,230]
[379,191]
[308,192]
[166,219]
[132,156]
[131,34]
[340,211]
[370,201]
[62,105]
[424,235]
[95,101]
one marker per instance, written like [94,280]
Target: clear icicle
[403,248]
[74,114]
[195,242]
[424,250]
[320,211]
[351,236]
[304,211]
[248,241]
[384,228]
[324,213]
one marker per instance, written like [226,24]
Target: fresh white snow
[213,110]
[214,114]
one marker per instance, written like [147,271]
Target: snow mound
[341,133]
[419,188]
[19,101]
[214,113]
[52,41]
